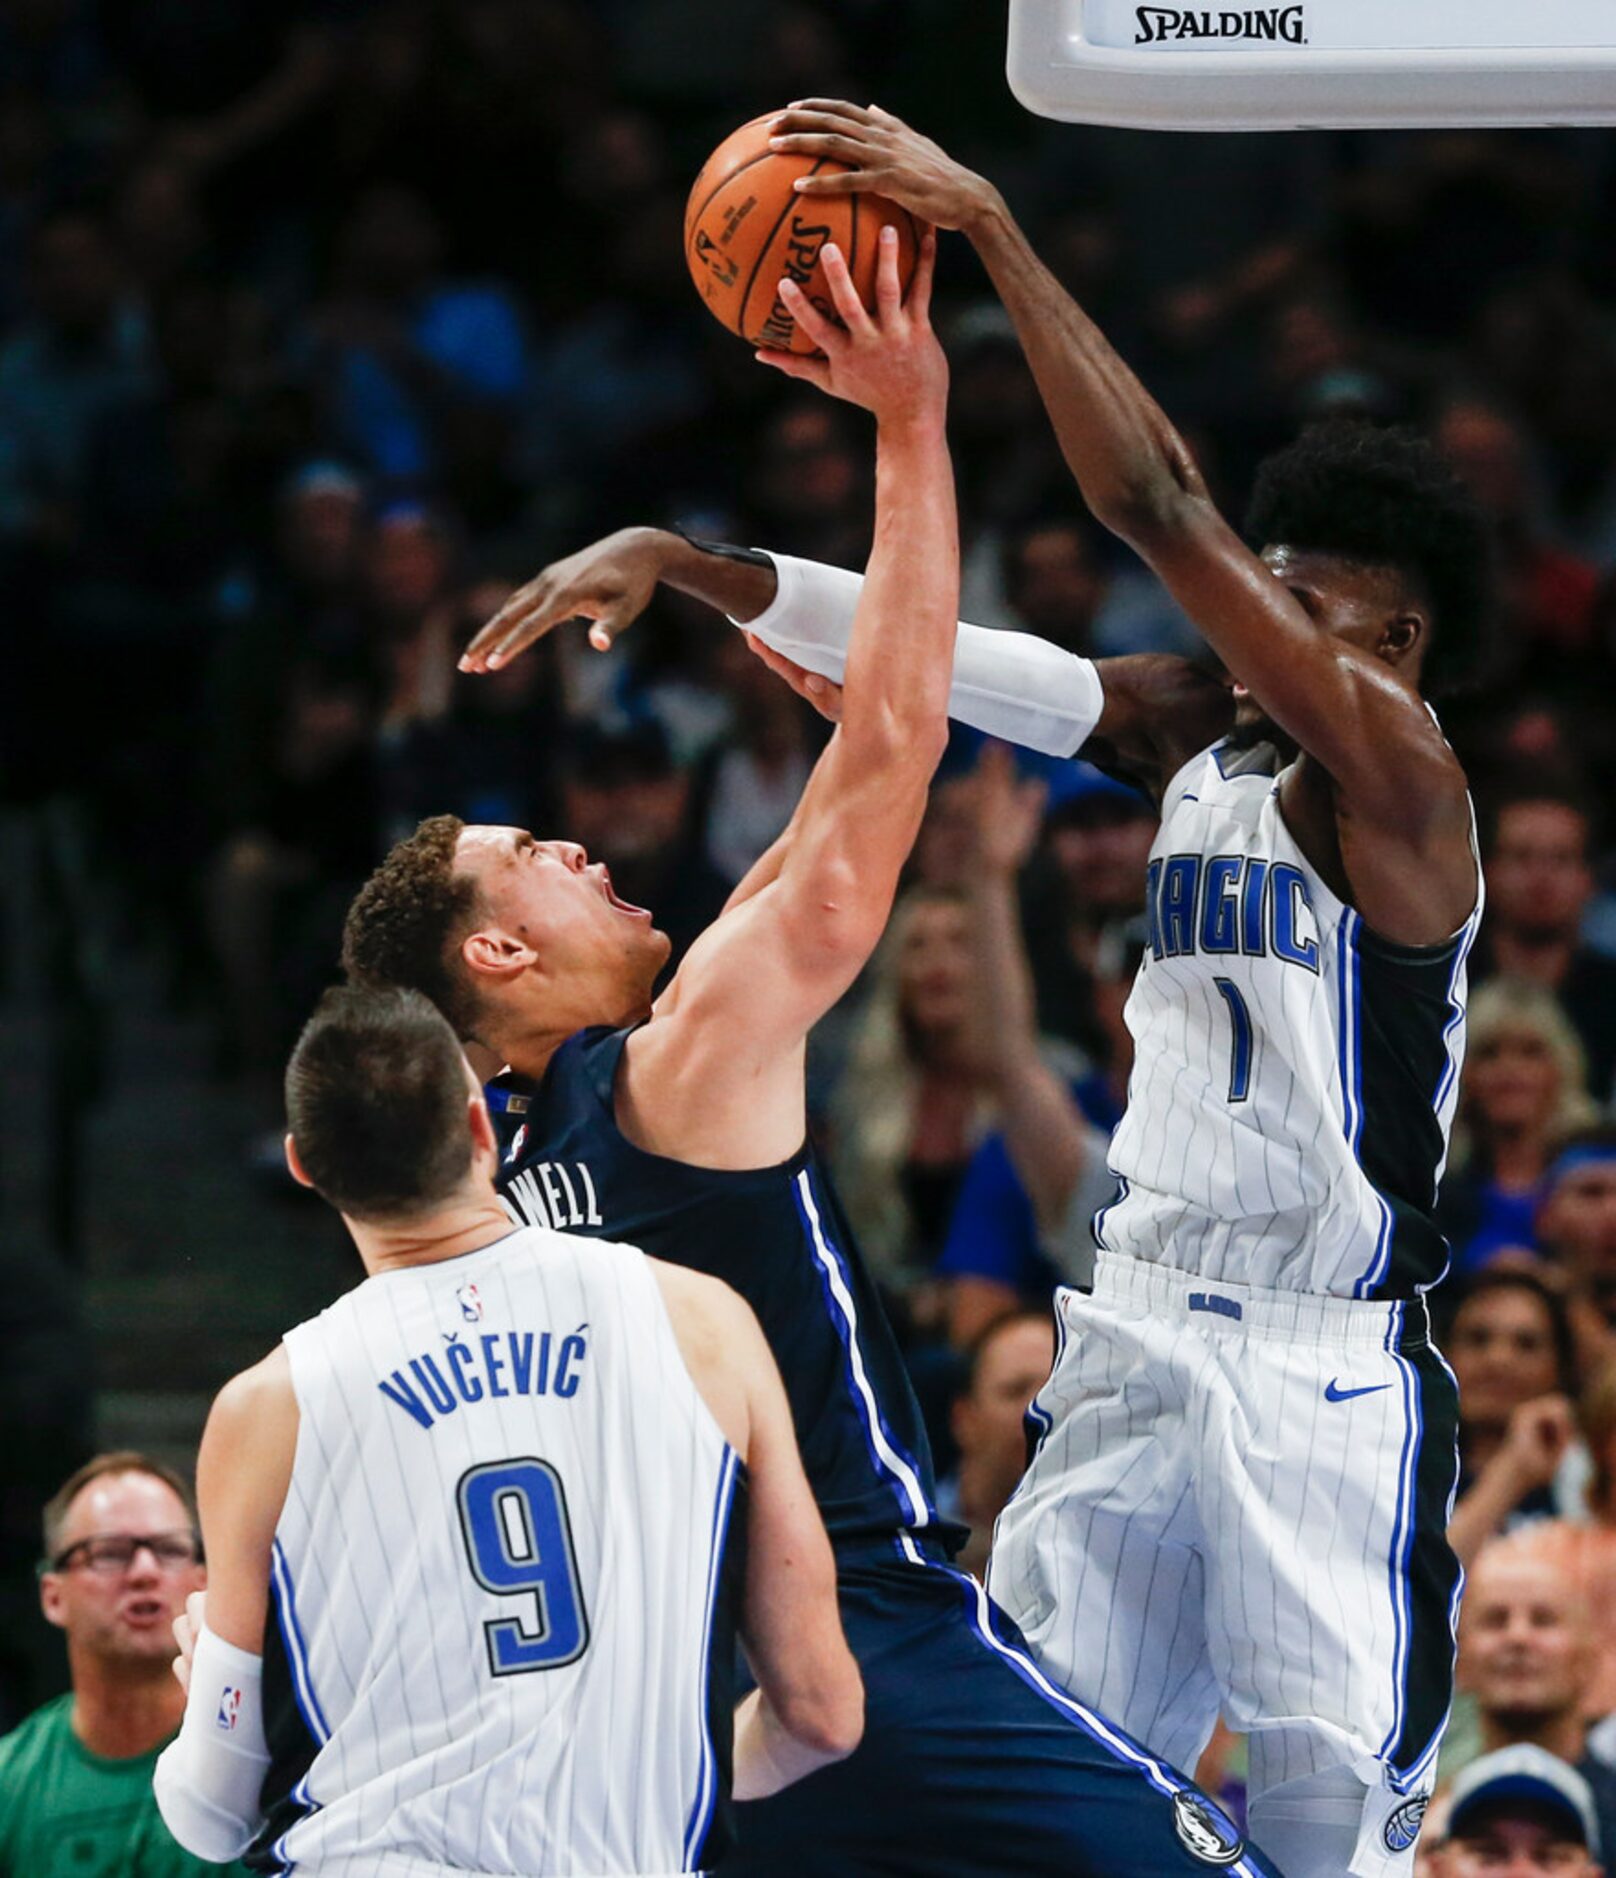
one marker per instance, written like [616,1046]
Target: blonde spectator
[1022,1223]
[913,1100]
[1525,1087]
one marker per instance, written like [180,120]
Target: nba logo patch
[514,1151]
[229,1709]
[471,1304]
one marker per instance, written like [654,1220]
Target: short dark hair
[408,919]
[1388,498]
[975,1353]
[1492,1278]
[118,1461]
[1516,790]
[376,1103]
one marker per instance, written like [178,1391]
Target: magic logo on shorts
[1161,25]
[1403,1828]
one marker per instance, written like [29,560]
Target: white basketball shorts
[1238,1505]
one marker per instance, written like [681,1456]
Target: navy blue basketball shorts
[972,1761]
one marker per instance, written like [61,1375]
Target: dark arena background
[325,323]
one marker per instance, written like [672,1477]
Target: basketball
[746,229]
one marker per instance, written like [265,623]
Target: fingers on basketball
[844,297]
[810,322]
[831,107]
[919,300]
[889,299]
[746,225]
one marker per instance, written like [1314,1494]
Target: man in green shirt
[121,1557]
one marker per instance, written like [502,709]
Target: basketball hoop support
[1190,78]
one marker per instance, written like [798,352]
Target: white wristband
[1011,685]
[209,1778]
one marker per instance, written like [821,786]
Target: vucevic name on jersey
[500,1569]
[1295,1075]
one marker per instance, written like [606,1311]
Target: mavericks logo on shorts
[1403,1828]
[1203,1831]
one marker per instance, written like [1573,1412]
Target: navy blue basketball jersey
[776,1235]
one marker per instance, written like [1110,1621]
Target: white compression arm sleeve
[209,1777]
[1009,684]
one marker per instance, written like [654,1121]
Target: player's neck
[457,1229]
[122,1710]
[527,1046]
[1562,1734]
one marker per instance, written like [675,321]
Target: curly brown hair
[408,919]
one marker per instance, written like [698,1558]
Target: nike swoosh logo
[1335,1393]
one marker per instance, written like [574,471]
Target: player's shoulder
[264,1385]
[255,1415]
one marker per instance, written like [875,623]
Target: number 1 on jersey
[1241,1054]
[513,1516]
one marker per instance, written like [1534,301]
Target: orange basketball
[746,229]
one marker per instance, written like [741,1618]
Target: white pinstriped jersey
[496,1576]
[1295,1076]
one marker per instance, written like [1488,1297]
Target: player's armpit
[1159,711]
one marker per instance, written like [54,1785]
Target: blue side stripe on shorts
[983,1614]
[1402,1546]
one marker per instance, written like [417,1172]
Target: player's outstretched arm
[208,1779]
[731,1027]
[1342,705]
[1011,686]
[808,1707]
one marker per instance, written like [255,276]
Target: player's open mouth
[144,1611]
[1239,690]
[622,905]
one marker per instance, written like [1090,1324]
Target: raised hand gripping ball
[746,229]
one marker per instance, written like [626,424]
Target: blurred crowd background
[323,324]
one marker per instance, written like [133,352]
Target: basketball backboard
[1302,64]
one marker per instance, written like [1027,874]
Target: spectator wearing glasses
[121,1557]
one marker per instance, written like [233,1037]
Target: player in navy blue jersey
[679,1124]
